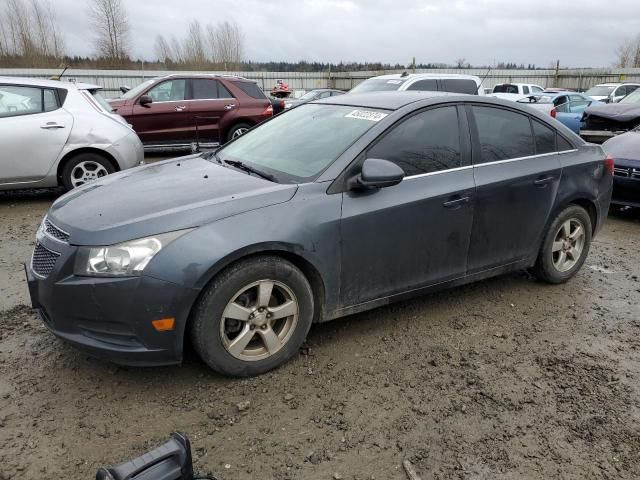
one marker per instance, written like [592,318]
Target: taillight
[268,111]
[609,163]
[553,112]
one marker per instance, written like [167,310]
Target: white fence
[111,80]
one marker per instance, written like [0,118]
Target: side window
[424,86]
[545,138]
[620,91]
[324,94]
[457,85]
[536,89]
[204,89]
[169,91]
[563,144]
[503,134]
[578,106]
[223,92]
[16,100]
[560,100]
[426,142]
[631,88]
[525,89]
[50,100]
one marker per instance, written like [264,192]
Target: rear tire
[84,168]
[237,130]
[565,247]
[253,317]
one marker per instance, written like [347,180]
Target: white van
[432,82]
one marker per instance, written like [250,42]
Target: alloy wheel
[239,131]
[259,320]
[87,171]
[568,245]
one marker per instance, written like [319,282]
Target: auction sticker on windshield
[366,115]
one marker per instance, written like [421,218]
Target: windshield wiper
[249,169]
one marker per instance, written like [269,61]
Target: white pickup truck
[515,91]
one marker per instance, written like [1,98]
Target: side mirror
[145,100]
[170,461]
[125,88]
[377,173]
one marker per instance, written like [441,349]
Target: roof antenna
[483,79]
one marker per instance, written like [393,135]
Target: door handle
[541,182]
[180,108]
[229,107]
[51,126]
[456,202]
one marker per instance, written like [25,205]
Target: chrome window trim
[497,162]
[191,100]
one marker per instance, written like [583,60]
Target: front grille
[627,172]
[43,260]
[53,231]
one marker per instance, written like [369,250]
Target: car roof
[206,75]
[41,82]
[415,76]
[384,100]
[615,84]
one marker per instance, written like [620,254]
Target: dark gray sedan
[375,198]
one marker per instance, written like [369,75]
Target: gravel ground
[504,379]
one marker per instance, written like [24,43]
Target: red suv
[179,110]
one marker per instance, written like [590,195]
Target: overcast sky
[578,32]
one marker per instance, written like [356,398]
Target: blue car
[566,107]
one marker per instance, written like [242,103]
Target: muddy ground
[505,379]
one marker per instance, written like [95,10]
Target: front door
[416,233]
[166,120]
[517,173]
[33,132]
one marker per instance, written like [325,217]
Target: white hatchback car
[59,133]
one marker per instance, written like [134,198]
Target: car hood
[621,112]
[176,194]
[624,147]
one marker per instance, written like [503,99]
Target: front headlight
[123,260]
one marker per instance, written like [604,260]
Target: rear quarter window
[458,85]
[252,89]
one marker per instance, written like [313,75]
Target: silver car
[59,133]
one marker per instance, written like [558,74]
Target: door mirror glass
[378,173]
[145,100]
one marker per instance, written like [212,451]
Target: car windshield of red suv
[135,91]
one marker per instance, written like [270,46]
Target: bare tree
[461,62]
[109,18]
[163,50]
[29,33]
[194,48]
[628,53]
[227,44]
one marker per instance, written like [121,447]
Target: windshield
[633,97]
[101,100]
[505,88]
[599,91]
[300,144]
[135,91]
[309,95]
[378,85]
[536,99]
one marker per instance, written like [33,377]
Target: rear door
[33,131]
[166,120]
[517,173]
[210,102]
[570,113]
[417,232]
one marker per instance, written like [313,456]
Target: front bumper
[110,318]
[598,136]
[626,191]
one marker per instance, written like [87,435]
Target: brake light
[609,163]
[268,111]
[553,112]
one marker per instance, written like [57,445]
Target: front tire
[84,168]
[237,130]
[565,246]
[253,317]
